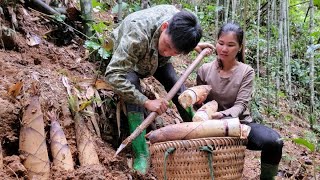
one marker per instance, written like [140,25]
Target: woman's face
[227,46]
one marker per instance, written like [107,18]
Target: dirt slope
[46,63]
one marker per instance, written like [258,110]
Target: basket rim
[197,139]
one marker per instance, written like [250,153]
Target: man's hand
[158,105]
[202,45]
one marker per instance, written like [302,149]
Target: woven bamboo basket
[204,158]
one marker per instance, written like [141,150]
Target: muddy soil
[36,57]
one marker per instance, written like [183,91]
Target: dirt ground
[47,62]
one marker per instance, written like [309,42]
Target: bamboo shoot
[193,95]
[60,150]
[85,143]
[32,140]
[192,130]
[206,111]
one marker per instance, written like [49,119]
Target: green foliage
[93,46]
[316,3]
[299,35]
[124,7]
[127,8]
[305,143]
[288,117]
[59,17]
[99,27]
[100,43]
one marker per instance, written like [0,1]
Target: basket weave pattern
[189,162]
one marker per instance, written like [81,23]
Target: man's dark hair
[185,31]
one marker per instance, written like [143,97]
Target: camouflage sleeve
[129,51]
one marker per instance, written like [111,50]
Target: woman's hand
[202,98]
[217,115]
[202,45]
[158,105]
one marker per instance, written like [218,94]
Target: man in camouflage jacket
[143,44]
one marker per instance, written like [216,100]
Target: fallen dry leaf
[15,89]
[101,84]
[32,40]
[90,92]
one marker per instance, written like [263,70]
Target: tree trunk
[244,26]
[258,38]
[226,12]
[279,53]
[86,12]
[217,17]
[288,52]
[119,10]
[268,54]
[234,9]
[145,4]
[312,102]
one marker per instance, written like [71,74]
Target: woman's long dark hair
[233,27]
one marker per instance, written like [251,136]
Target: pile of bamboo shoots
[192,130]
[32,140]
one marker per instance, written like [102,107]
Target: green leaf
[103,53]
[59,17]
[316,33]
[95,3]
[316,3]
[99,27]
[211,8]
[201,15]
[92,45]
[116,7]
[281,94]
[305,143]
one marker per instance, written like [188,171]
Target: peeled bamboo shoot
[192,130]
[60,150]
[206,111]
[193,95]
[32,141]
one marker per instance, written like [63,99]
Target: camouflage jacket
[136,49]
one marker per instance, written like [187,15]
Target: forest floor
[34,56]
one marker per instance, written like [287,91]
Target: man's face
[165,46]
